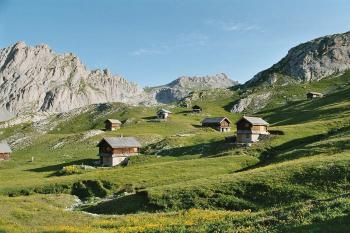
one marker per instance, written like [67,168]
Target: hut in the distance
[196,109]
[222,124]
[313,95]
[163,114]
[5,151]
[112,124]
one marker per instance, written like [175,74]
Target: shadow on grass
[56,167]
[185,112]
[150,118]
[336,225]
[129,204]
[203,149]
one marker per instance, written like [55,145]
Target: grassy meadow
[188,179]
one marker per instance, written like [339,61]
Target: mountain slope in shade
[37,79]
[310,61]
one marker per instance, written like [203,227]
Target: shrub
[90,188]
[69,170]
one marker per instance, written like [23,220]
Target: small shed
[163,114]
[222,124]
[249,129]
[117,150]
[5,151]
[196,109]
[112,124]
[313,95]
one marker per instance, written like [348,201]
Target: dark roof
[196,107]
[114,121]
[163,111]
[5,148]
[121,142]
[215,120]
[255,120]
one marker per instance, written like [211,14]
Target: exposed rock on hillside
[312,60]
[37,79]
[253,102]
[181,87]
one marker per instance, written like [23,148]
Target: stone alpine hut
[117,150]
[249,129]
[5,151]
[112,124]
[222,124]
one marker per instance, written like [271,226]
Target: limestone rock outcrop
[310,61]
[183,86]
[37,79]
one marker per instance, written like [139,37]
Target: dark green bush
[90,188]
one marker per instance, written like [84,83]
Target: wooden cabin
[249,129]
[313,95]
[117,150]
[112,124]
[163,114]
[5,151]
[222,124]
[196,109]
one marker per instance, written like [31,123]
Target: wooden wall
[5,156]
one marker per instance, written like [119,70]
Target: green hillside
[188,179]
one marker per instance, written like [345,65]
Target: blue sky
[153,42]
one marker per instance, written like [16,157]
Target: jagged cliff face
[312,60]
[181,87]
[37,79]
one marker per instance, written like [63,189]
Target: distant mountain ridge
[37,79]
[313,60]
[182,86]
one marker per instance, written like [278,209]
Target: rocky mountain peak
[201,82]
[37,79]
[182,86]
[313,60]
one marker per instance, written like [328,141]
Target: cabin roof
[196,107]
[314,93]
[163,111]
[254,120]
[114,121]
[5,148]
[121,142]
[214,120]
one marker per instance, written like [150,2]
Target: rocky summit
[37,79]
[310,61]
[181,87]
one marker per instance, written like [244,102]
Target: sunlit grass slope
[188,179]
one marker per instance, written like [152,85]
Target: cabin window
[108,149]
[246,124]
